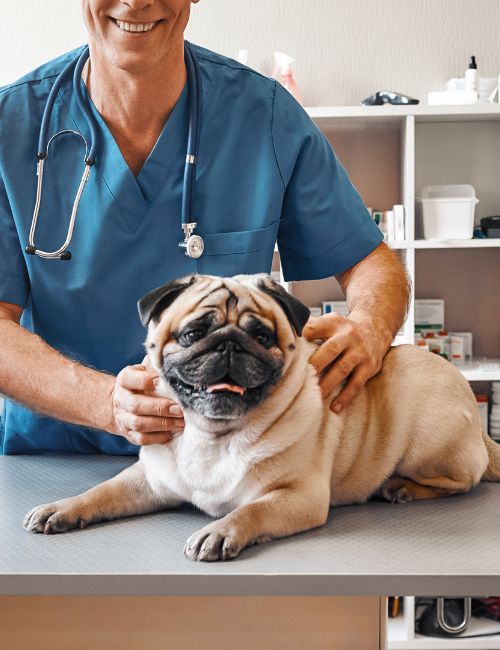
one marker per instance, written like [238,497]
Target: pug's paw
[52,518]
[214,542]
[397,490]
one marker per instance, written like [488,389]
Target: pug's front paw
[52,518]
[214,542]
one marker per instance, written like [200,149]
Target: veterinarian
[71,343]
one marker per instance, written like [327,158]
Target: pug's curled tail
[492,472]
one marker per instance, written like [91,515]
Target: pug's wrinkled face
[221,343]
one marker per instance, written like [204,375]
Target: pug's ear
[154,302]
[296,312]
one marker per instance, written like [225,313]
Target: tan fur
[412,432]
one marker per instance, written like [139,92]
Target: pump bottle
[471,78]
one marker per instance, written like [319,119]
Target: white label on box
[429,314]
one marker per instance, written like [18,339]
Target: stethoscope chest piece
[193,244]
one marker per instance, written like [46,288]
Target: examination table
[126,584]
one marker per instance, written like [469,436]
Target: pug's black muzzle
[227,355]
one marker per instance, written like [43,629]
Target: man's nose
[137,5]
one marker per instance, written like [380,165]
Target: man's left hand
[354,348]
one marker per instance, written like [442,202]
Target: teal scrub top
[265,173]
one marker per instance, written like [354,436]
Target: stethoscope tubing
[91,152]
[194,90]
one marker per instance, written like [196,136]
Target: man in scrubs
[71,343]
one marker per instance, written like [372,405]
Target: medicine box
[315,311]
[467,345]
[429,315]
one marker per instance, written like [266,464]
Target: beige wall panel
[190,623]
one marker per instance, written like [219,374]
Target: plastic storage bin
[447,211]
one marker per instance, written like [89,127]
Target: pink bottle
[282,72]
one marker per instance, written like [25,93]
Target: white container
[448,211]
[457,352]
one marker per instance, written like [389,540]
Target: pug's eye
[192,336]
[263,339]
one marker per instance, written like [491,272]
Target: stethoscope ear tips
[31,250]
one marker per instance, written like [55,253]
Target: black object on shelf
[389,97]
[491,226]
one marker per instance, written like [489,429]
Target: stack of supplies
[495,411]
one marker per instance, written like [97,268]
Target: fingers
[340,370]
[137,403]
[336,332]
[139,415]
[136,378]
[353,386]
[138,438]
[148,424]
[322,327]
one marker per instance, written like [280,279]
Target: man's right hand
[139,414]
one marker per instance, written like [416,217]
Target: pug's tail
[492,472]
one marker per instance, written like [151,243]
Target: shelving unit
[390,153]
[412,146]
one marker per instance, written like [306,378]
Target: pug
[261,451]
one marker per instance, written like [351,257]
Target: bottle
[471,78]
[242,57]
[282,72]
[422,345]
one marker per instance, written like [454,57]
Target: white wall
[345,49]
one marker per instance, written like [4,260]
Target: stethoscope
[193,244]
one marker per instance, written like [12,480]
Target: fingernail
[337,408]
[157,382]
[175,409]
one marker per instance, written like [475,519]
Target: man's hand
[139,415]
[377,292]
[354,348]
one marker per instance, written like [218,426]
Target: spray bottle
[282,72]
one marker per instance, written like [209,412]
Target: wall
[345,49]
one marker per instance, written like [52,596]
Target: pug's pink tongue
[213,388]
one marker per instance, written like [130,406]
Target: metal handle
[452,629]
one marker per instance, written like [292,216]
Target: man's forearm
[36,375]
[377,292]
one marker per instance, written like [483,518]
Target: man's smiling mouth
[135,28]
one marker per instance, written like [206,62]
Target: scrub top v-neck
[265,174]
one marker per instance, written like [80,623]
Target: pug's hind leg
[124,495]
[281,512]
[399,489]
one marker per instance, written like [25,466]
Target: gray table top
[445,546]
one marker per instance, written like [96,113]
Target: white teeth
[135,27]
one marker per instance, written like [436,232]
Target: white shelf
[421,112]
[396,641]
[493,242]
[481,370]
